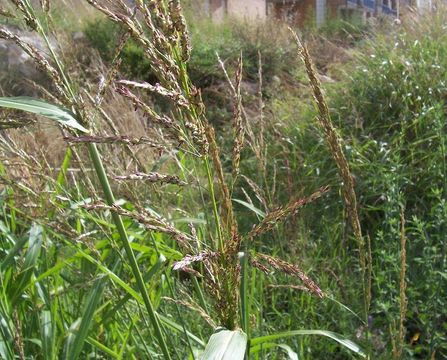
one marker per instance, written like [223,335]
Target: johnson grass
[157,231]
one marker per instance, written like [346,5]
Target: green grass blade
[19,244]
[147,277]
[265,346]
[100,171]
[49,347]
[6,334]
[338,338]
[173,325]
[23,278]
[64,167]
[249,206]
[75,345]
[102,348]
[39,107]
[245,306]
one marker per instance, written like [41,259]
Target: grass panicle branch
[152,177]
[121,139]
[238,128]
[148,220]
[279,215]
[287,268]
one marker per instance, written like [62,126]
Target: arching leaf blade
[42,108]
[334,336]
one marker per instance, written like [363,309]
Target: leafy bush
[227,39]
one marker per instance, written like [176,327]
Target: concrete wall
[245,9]
[248,9]
[216,9]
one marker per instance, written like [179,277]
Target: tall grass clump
[92,248]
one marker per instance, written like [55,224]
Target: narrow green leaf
[245,301]
[23,278]
[81,327]
[12,253]
[6,334]
[265,346]
[226,345]
[102,348]
[338,338]
[249,206]
[173,325]
[42,108]
[48,335]
[147,277]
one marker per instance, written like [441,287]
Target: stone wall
[16,66]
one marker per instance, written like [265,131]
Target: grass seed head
[291,269]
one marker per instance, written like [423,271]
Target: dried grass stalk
[226,204]
[174,96]
[45,5]
[179,23]
[292,287]
[6,13]
[333,141]
[9,123]
[122,139]
[238,129]
[39,59]
[163,120]
[152,177]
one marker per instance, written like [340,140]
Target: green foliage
[349,31]
[228,39]
[394,108]
[104,35]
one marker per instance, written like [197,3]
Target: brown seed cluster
[279,215]
[289,269]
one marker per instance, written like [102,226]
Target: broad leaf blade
[226,345]
[42,108]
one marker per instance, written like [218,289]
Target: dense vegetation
[214,187]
